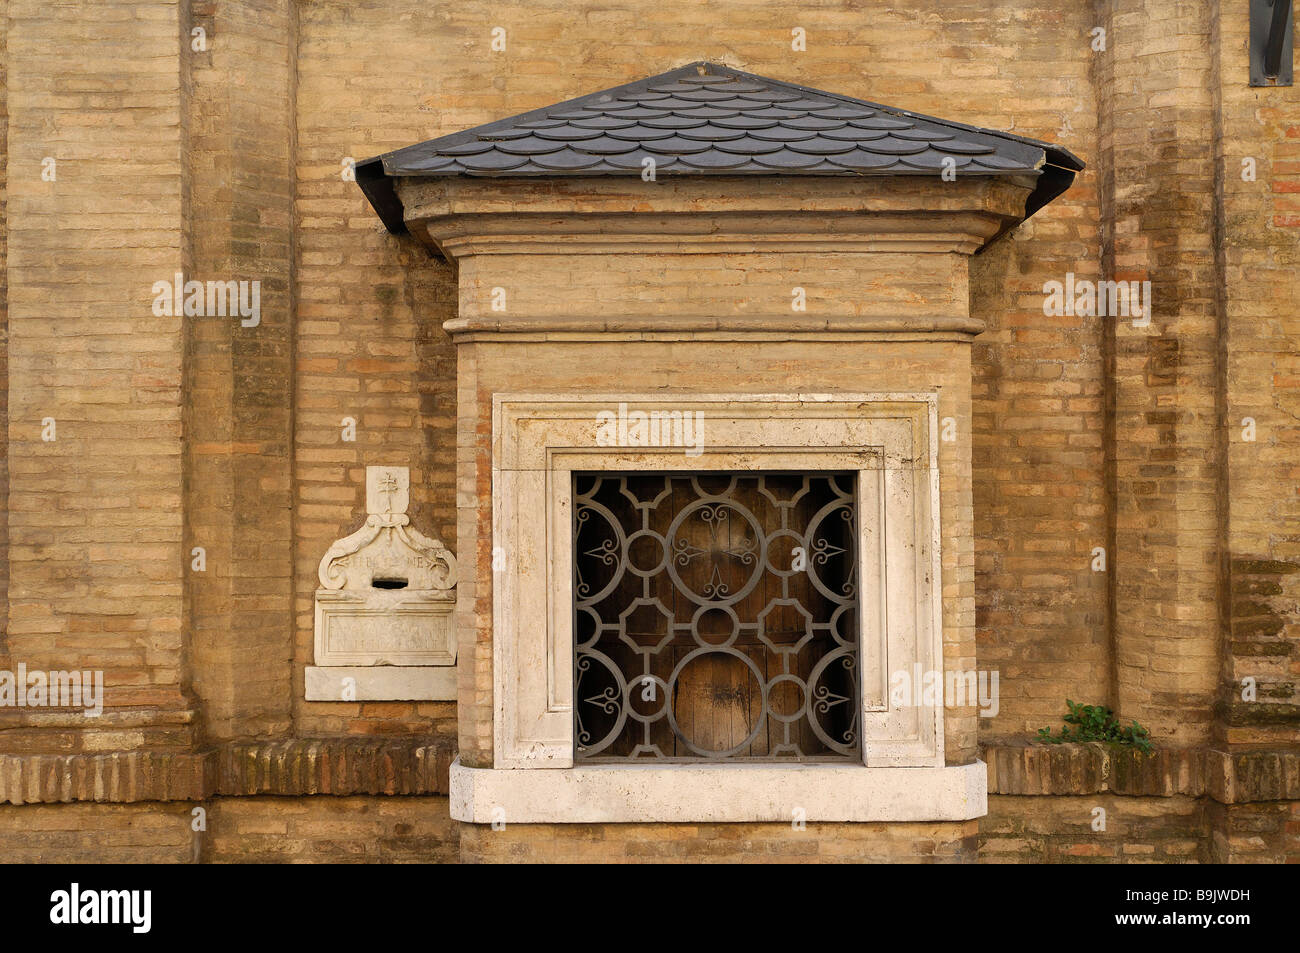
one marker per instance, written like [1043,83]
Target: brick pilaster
[239,380]
[1158,214]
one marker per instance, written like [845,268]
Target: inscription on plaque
[377,634]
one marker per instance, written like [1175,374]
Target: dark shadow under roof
[708,119]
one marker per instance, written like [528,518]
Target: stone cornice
[709,327]
[461,217]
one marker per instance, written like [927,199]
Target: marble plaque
[387,591]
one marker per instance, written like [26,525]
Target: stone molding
[593,216]
[457,236]
[748,327]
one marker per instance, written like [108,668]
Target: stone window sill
[686,793]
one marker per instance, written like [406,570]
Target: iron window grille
[715,617]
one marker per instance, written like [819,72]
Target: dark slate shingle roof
[707,119]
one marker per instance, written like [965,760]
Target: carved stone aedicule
[387,591]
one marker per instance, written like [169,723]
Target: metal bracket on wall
[1270,42]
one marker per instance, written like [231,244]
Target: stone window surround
[538,440]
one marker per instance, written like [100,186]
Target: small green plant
[1098,723]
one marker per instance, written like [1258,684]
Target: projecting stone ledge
[713,793]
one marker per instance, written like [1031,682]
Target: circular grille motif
[714,560]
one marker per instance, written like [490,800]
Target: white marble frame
[540,439]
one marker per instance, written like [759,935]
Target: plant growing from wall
[1098,723]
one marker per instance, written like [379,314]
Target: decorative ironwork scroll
[715,616]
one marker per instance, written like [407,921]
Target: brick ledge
[297,767]
[349,766]
[1230,777]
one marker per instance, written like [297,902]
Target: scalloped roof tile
[709,119]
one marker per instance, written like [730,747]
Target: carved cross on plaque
[388,492]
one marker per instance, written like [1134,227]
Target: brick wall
[1267,833]
[720,843]
[1039,497]
[330,830]
[365,829]
[97,834]
[1054,830]
[238,830]
[94,516]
